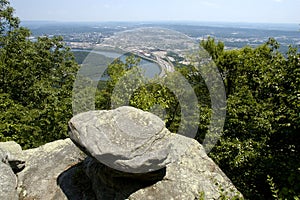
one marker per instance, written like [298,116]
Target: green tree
[159,95]
[128,86]
[35,84]
[261,138]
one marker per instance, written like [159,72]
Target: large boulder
[11,154]
[59,170]
[11,162]
[44,165]
[126,139]
[134,156]
[8,183]
[193,176]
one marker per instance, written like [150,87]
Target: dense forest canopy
[260,146]
[259,149]
[36,80]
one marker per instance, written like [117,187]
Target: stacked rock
[126,139]
[132,155]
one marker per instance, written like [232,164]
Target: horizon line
[159,21]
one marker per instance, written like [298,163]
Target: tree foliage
[259,149]
[261,138]
[128,86]
[36,80]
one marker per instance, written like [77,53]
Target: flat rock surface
[10,160]
[193,176]
[60,171]
[125,139]
[39,179]
[8,183]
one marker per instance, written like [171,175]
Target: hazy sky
[275,11]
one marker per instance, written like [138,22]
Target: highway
[164,65]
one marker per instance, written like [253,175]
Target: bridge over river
[165,66]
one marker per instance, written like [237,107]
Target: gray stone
[59,170]
[44,165]
[11,161]
[126,139]
[134,156]
[108,183]
[8,183]
[75,184]
[11,153]
[56,171]
[192,176]
[11,146]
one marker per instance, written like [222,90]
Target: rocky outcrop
[11,154]
[44,165]
[192,176]
[33,174]
[125,139]
[126,144]
[60,170]
[8,183]
[10,163]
